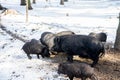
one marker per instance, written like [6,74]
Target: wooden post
[26,11]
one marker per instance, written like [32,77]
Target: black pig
[82,45]
[35,47]
[77,69]
[47,38]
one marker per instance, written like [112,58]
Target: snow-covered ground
[79,16]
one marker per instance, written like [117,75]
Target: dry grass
[108,67]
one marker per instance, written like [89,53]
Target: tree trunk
[65,0]
[1,8]
[23,2]
[34,1]
[61,2]
[117,40]
[29,5]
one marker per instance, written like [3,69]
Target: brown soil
[108,67]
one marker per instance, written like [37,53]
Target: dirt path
[16,36]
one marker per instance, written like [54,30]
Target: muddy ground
[108,67]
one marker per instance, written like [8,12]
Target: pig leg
[38,56]
[70,58]
[83,78]
[29,57]
[70,77]
[95,61]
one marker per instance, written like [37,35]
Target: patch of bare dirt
[108,67]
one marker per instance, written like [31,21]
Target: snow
[79,16]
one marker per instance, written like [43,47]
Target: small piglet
[35,47]
[77,69]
